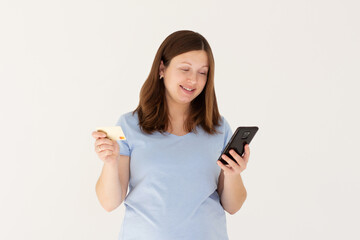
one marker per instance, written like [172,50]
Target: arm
[111,187]
[232,192]
[231,189]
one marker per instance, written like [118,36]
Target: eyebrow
[191,64]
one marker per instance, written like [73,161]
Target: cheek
[202,83]
[175,77]
[171,83]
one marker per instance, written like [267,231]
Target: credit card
[113,133]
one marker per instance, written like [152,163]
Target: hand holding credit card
[113,133]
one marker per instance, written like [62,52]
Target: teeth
[186,88]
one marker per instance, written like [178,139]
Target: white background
[289,67]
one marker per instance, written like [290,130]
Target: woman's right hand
[107,149]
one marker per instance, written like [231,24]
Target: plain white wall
[289,67]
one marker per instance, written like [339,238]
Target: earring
[161,76]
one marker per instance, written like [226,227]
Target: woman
[177,188]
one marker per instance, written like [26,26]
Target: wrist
[112,163]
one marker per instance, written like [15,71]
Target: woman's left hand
[234,168]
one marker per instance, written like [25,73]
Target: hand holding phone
[241,137]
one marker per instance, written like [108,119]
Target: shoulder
[225,127]
[223,122]
[128,122]
[127,118]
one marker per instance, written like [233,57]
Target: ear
[161,68]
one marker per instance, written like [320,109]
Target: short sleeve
[227,132]
[123,144]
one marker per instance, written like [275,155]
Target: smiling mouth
[187,89]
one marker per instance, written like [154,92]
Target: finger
[105,153]
[99,148]
[247,152]
[229,161]
[223,166]
[105,147]
[107,141]
[103,141]
[239,160]
[236,156]
[97,134]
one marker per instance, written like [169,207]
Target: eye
[204,73]
[185,69]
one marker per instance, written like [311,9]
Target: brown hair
[153,110]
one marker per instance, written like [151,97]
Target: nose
[192,78]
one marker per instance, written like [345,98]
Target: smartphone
[241,137]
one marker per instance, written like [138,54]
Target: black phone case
[241,137]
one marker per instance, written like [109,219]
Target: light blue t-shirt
[172,186]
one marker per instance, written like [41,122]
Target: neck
[178,112]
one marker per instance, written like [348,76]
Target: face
[186,76]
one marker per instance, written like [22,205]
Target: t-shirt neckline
[178,135]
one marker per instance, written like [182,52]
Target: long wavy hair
[153,109]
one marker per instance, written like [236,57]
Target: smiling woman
[184,81]
[173,140]
[180,85]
